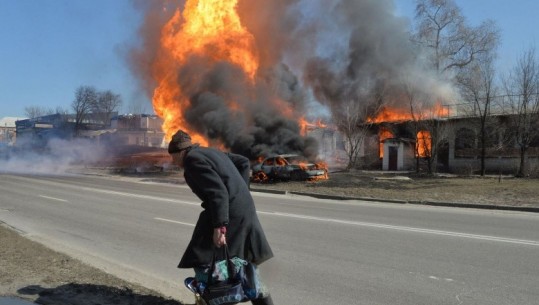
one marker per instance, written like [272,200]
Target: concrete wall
[405,154]
[506,160]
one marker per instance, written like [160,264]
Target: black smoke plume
[315,55]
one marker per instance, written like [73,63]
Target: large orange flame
[383,134]
[393,114]
[423,138]
[423,144]
[305,126]
[210,29]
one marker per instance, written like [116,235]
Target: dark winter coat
[216,179]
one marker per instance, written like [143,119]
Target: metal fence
[500,105]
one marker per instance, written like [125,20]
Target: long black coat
[220,180]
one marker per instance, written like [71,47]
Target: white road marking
[53,198]
[408,229]
[142,196]
[97,190]
[174,221]
[338,221]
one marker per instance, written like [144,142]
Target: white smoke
[56,157]
[340,49]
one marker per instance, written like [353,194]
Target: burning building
[249,75]
[211,80]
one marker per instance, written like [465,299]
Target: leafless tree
[432,140]
[522,87]
[417,102]
[62,111]
[137,106]
[425,125]
[33,112]
[104,106]
[347,122]
[442,29]
[478,87]
[354,122]
[85,97]
[411,94]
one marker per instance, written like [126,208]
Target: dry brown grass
[492,190]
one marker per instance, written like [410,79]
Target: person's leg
[263,301]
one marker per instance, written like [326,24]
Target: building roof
[9,121]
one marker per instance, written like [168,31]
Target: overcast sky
[51,47]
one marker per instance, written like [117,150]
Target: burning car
[287,167]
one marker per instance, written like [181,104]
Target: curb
[428,203]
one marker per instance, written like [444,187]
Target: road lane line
[141,196]
[53,198]
[408,229]
[338,221]
[92,189]
[174,221]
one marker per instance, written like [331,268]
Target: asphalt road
[327,252]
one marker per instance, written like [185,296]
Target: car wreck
[287,167]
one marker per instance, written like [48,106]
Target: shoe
[263,301]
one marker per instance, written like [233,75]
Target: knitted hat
[180,141]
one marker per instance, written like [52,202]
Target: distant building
[37,131]
[8,130]
[138,129]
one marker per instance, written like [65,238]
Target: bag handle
[229,265]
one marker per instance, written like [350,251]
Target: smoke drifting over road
[56,157]
[311,57]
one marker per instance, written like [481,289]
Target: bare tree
[478,87]
[33,112]
[104,106]
[425,125]
[354,121]
[139,106]
[411,94]
[522,87]
[63,114]
[438,131]
[85,97]
[442,29]
[418,103]
[61,110]
[349,122]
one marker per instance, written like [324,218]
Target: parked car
[287,167]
